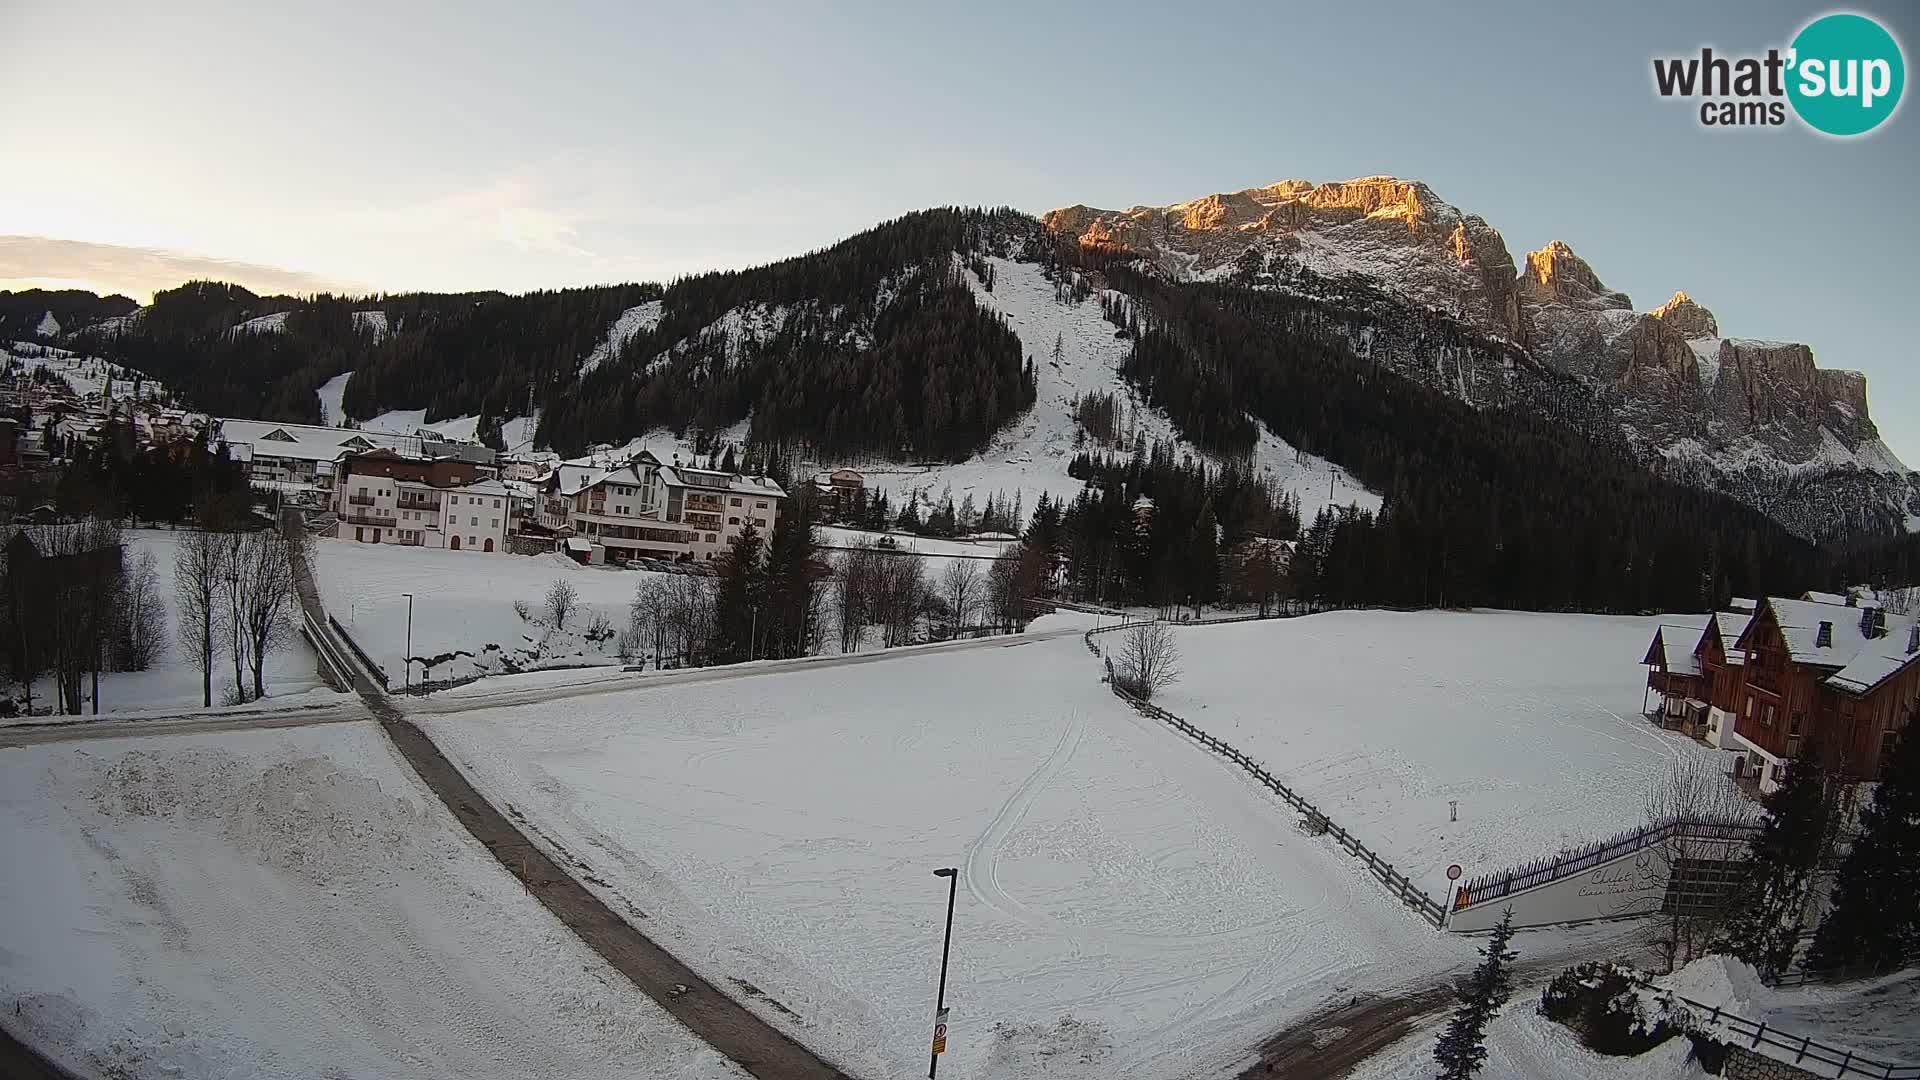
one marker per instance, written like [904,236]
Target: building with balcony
[642,509]
[1840,671]
[385,497]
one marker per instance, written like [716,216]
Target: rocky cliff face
[1757,419]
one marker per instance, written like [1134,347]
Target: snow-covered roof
[1676,644]
[1741,603]
[482,487]
[579,543]
[1823,598]
[1800,624]
[1730,625]
[713,480]
[1877,660]
[306,442]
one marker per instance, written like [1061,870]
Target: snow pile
[1523,1045]
[639,319]
[290,904]
[1383,719]
[1876,1018]
[1127,907]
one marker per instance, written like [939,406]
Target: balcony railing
[360,500]
[363,518]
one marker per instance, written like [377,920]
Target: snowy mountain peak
[1556,274]
[1687,318]
[1756,419]
[1393,230]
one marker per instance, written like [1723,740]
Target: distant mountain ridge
[1756,419]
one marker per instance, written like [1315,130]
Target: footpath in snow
[290,904]
[1127,906]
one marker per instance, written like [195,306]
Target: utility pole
[407,679]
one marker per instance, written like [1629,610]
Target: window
[1767,717]
[473,521]
[1749,708]
[1793,724]
[733,521]
[496,504]
[762,522]
[496,523]
[472,540]
[760,504]
[736,502]
[712,539]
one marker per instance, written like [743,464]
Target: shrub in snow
[521,609]
[599,628]
[1610,1008]
[562,598]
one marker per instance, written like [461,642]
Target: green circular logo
[1847,74]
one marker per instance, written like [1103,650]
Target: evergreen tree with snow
[793,580]
[1874,924]
[1462,1047]
[740,600]
[1767,929]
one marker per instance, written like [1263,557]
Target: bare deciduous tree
[1694,865]
[1149,659]
[562,598]
[198,567]
[143,616]
[960,588]
[267,599]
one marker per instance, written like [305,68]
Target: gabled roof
[1674,643]
[713,480]
[1730,625]
[1859,662]
[1823,598]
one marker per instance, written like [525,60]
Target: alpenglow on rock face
[1756,419]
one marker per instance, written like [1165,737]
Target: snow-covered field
[463,607]
[174,682]
[1127,906]
[1530,721]
[1523,1045]
[290,904]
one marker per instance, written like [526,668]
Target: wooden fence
[1805,1050]
[1402,889]
[1504,883]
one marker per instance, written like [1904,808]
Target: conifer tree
[740,600]
[1785,856]
[792,581]
[1462,1047]
[1874,924]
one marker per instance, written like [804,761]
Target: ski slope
[1530,721]
[1032,454]
[1127,907]
[290,905]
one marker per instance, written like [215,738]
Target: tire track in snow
[982,869]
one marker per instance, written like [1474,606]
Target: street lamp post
[946,947]
[407,679]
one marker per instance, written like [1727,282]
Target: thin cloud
[141,272]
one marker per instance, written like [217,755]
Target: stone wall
[1745,1064]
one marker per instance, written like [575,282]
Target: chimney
[1852,600]
[1873,623]
[1823,637]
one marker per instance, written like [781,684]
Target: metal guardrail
[323,645]
[1397,883]
[373,669]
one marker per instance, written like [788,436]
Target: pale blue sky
[474,145]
